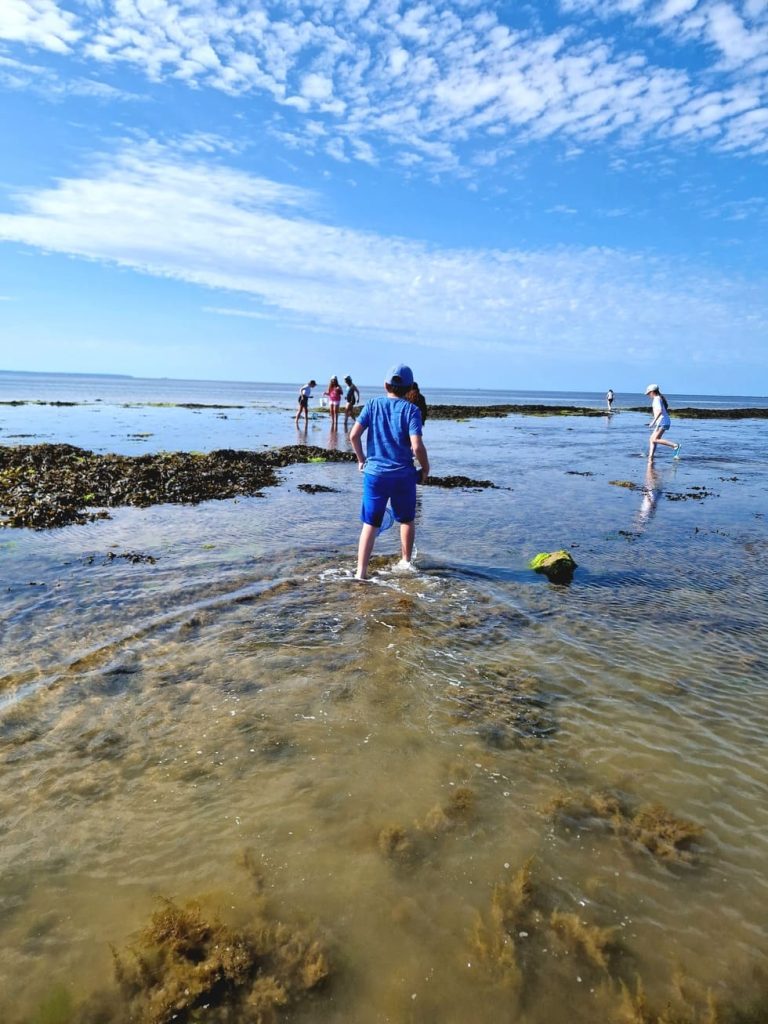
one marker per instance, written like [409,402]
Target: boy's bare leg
[364,549]
[407,537]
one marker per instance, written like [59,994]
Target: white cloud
[434,78]
[38,23]
[37,78]
[155,211]
[316,87]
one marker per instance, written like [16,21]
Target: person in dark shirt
[353,397]
[414,395]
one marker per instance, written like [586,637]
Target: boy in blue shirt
[394,439]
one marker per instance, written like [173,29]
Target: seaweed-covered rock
[51,485]
[557,566]
[458,481]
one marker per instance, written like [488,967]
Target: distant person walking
[414,395]
[334,394]
[660,422]
[394,439]
[353,397]
[305,393]
[609,399]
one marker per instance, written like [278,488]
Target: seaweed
[317,489]
[650,826]
[506,711]
[459,481]
[407,845]
[186,967]
[634,1009]
[53,485]
[511,915]
[596,943]
[399,844]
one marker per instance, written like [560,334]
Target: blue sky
[560,195]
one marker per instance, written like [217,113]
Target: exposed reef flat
[467,412]
[461,412]
[455,412]
[51,485]
[710,414]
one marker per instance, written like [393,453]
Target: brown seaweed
[184,963]
[407,845]
[650,826]
[52,485]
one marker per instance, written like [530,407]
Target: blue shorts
[378,490]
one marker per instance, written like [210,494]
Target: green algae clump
[187,968]
[557,566]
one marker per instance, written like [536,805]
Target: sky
[561,195]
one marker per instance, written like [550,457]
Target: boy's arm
[420,454]
[355,436]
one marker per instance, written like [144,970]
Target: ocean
[490,797]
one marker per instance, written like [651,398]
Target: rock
[557,566]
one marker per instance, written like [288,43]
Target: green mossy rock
[557,566]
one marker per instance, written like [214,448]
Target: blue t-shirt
[390,423]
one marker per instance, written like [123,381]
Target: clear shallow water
[241,693]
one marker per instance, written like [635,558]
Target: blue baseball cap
[400,375]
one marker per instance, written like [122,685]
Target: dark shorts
[379,490]
[303,401]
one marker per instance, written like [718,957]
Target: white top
[660,414]
[306,391]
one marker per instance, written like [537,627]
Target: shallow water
[243,694]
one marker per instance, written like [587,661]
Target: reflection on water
[652,490]
[392,756]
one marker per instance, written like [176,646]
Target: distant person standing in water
[305,393]
[353,397]
[609,399]
[394,440]
[660,422]
[414,395]
[334,394]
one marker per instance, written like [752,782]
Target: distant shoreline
[453,412]
[65,373]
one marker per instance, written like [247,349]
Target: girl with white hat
[660,422]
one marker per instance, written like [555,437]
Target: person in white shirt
[609,398]
[660,422]
[305,393]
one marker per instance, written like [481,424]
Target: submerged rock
[557,566]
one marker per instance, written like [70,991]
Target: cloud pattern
[443,85]
[178,213]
